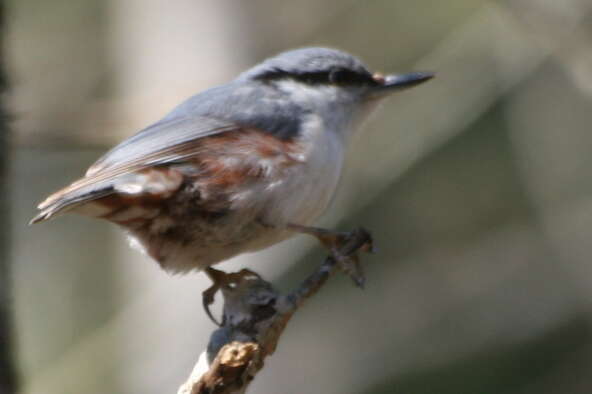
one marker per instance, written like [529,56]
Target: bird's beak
[387,84]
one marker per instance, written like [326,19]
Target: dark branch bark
[7,369]
[254,318]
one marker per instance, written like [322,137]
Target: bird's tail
[70,198]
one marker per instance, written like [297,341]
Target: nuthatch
[238,167]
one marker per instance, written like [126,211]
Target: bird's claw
[222,280]
[344,249]
[208,300]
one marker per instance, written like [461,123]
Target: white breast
[307,189]
[333,113]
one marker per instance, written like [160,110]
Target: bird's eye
[342,76]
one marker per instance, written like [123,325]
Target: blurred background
[476,186]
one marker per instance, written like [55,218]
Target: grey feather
[306,60]
[163,135]
[238,104]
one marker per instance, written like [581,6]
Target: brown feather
[219,163]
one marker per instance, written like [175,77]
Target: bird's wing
[168,141]
[161,142]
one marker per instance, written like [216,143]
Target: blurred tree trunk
[7,370]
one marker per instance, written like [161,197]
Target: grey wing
[170,140]
[150,144]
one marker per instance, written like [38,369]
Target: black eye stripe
[335,76]
[343,76]
[312,78]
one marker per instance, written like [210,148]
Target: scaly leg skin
[344,248]
[221,280]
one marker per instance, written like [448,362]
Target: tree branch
[254,318]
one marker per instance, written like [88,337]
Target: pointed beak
[395,82]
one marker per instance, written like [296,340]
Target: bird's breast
[305,191]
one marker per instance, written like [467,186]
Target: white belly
[299,198]
[295,194]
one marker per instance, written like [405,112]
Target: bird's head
[321,68]
[332,88]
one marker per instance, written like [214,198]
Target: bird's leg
[222,280]
[343,247]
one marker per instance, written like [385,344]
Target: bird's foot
[222,280]
[344,248]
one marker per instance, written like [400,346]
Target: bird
[238,167]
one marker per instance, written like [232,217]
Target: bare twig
[254,318]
